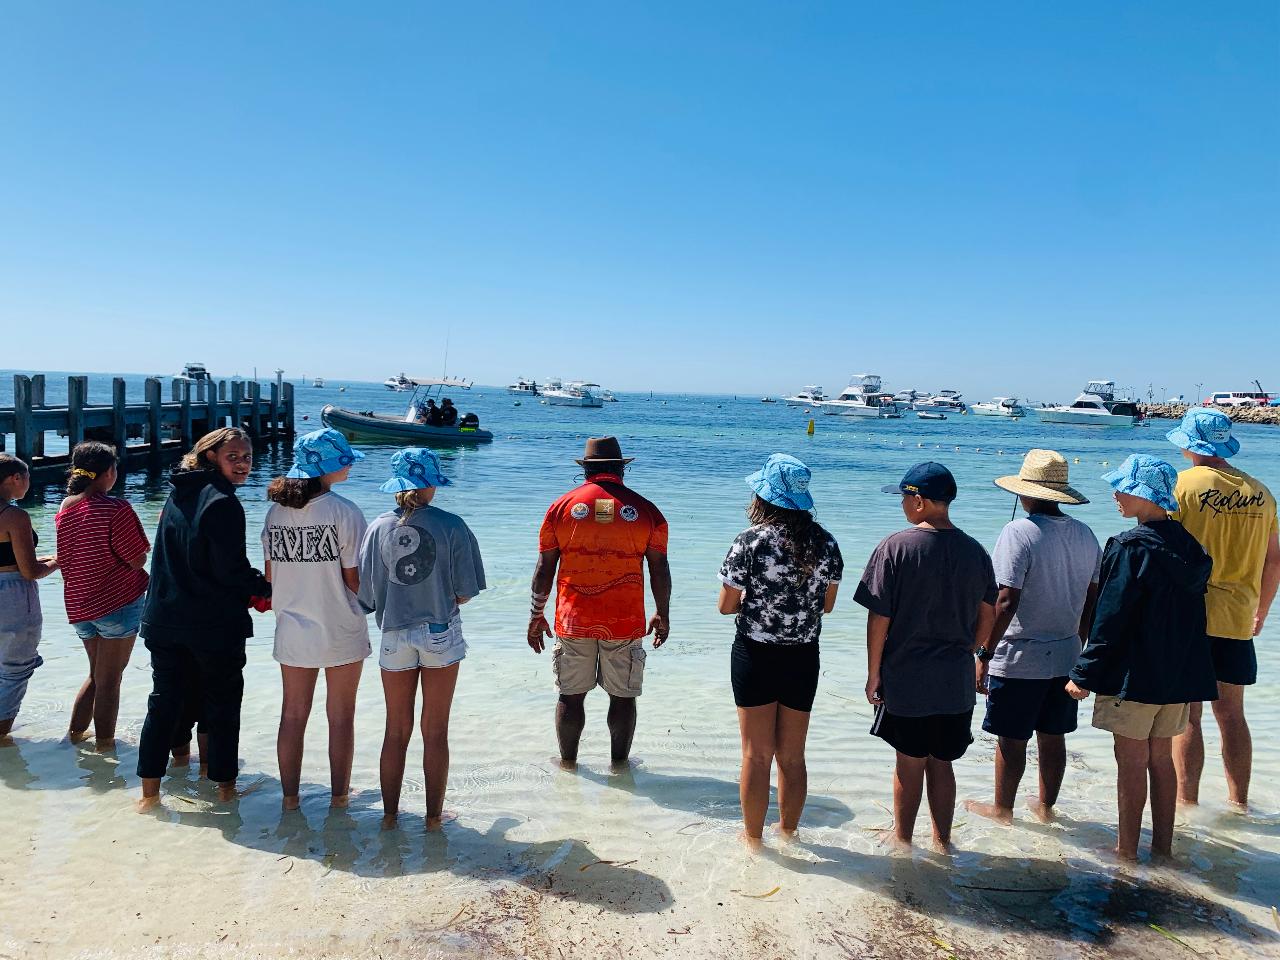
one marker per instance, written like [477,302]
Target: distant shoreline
[1176,411]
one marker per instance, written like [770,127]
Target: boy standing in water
[1148,657]
[930,592]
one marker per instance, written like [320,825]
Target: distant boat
[768,400]
[930,415]
[399,383]
[1000,407]
[194,372]
[523,387]
[861,398]
[608,397]
[406,429]
[1097,406]
[576,393]
[807,397]
[948,401]
[318,382]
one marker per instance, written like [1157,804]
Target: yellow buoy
[810,430]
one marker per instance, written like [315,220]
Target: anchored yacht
[807,397]
[948,401]
[523,388]
[1000,407]
[1096,405]
[862,398]
[575,393]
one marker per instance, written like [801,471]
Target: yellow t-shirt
[1233,516]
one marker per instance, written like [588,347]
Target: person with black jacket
[1148,657]
[196,619]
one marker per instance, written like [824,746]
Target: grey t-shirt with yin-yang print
[779,605]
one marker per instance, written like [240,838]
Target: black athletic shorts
[764,673]
[943,736]
[1234,661]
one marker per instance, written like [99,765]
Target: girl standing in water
[102,552]
[311,539]
[779,577]
[418,564]
[196,618]
[20,568]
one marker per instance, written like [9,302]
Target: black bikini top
[7,559]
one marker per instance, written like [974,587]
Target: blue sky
[725,197]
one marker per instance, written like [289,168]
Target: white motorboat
[807,397]
[523,388]
[608,397]
[575,393]
[948,401]
[399,383]
[194,372]
[930,415]
[318,382]
[1000,407]
[1097,405]
[861,398]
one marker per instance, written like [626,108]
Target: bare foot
[6,740]
[621,766]
[146,803]
[1188,803]
[895,843]
[944,847]
[339,800]
[105,745]
[753,844]
[435,824]
[227,792]
[181,759]
[1165,858]
[571,766]
[990,811]
[1123,856]
[389,821]
[77,736]
[204,769]
[783,834]
[1238,806]
[290,803]
[1042,811]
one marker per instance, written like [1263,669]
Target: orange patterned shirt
[602,530]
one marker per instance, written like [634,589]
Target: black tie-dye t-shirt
[778,606]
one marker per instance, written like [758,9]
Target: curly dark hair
[89,457]
[293,491]
[801,532]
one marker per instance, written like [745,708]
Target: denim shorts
[429,645]
[119,623]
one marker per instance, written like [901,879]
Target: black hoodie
[201,580]
[1148,640]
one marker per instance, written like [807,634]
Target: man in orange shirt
[593,545]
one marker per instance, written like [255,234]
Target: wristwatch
[985,655]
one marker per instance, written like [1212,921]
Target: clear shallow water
[520,823]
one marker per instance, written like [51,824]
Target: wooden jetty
[151,429]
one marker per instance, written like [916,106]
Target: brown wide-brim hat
[604,449]
[1043,477]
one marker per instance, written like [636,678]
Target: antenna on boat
[444,374]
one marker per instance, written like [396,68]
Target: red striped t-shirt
[97,538]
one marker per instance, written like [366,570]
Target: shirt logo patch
[579,511]
[629,513]
[604,511]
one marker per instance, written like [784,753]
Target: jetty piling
[150,429]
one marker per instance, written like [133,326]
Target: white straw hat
[1043,477]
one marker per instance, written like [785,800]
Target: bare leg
[108,668]
[940,780]
[571,717]
[299,687]
[1164,795]
[1011,763]
[1132,759]
[400,687]
[438,685]
[622,728]
[1237,742]
[1188,757]
[6,726]
[908,789]
[150,794]
[1052,750]
[341,684]
[82,706]
[793,774]
[758,728]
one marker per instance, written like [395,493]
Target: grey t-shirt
[1052,560]
[411,573]
[929,583]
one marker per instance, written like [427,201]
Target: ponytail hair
[11,466]
[407,501]
[293,491]
[89,460]
[195,459]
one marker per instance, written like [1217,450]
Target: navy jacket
[1148,641]
[201,579]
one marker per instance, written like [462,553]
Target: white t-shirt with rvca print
[318,621]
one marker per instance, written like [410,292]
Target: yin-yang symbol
[410,554]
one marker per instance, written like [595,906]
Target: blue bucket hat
[320,452]
[1206,432]
[414,468]
[784,482]
[1147,477]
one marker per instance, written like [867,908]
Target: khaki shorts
[1140,721]
[618,666]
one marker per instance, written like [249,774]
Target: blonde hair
[407,501]
[195,459]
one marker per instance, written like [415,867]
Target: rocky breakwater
[1176,411]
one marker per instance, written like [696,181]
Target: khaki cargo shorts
[616,665]
[1140,721]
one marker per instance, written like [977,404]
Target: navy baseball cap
[930,480]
